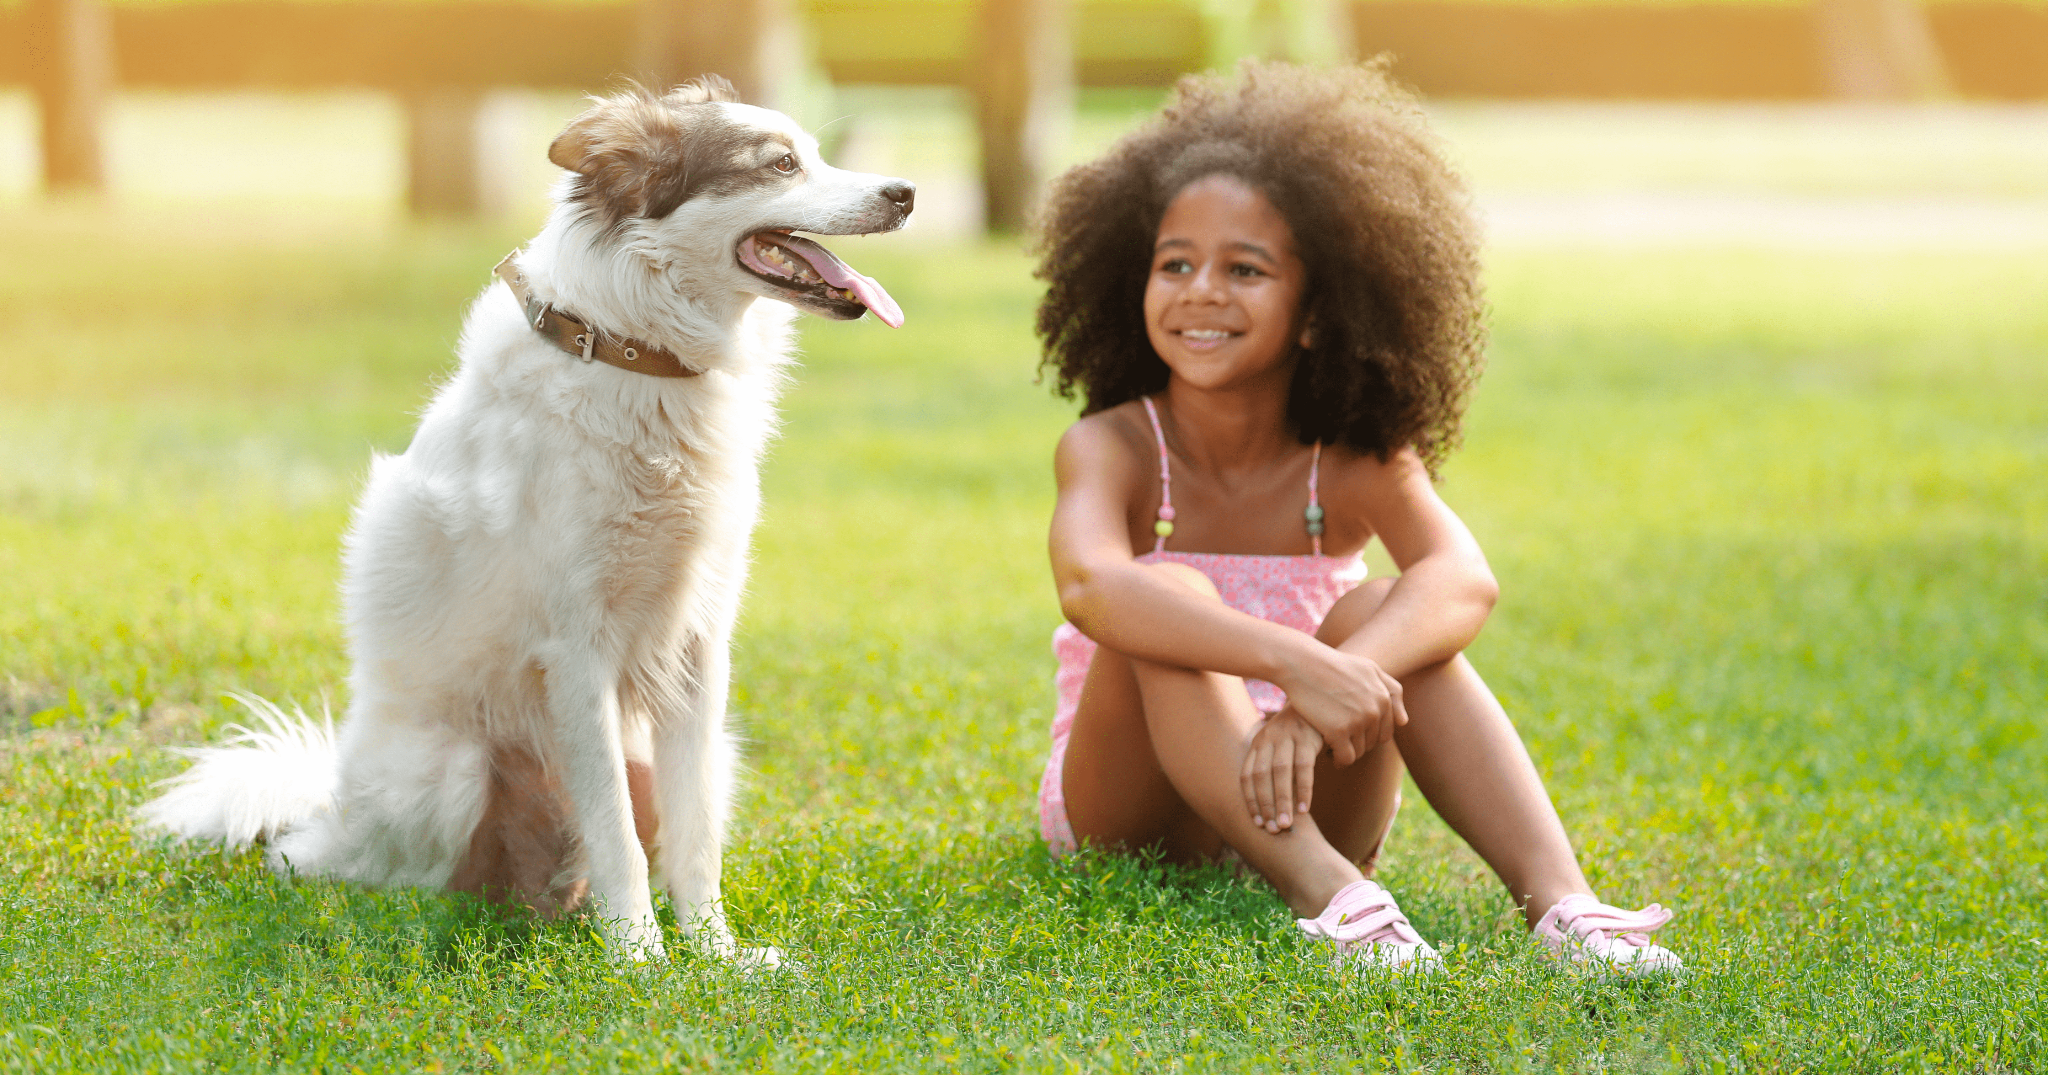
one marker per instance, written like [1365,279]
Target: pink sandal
[1367,929]
[1581,929]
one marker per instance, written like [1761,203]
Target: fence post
[1299,31]
[70,52]
[444,152]
[758,45]
[1023,82]
[1879,50]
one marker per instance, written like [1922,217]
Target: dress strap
[1163,525]
[1314,514]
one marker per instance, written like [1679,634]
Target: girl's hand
[1279,772]
[1349,699]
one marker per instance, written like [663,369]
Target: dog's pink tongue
[840,274]
[872,296]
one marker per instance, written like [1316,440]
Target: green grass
[1772,530]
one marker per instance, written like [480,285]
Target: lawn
[1772,530]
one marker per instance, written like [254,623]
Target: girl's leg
[1154,761]
[1471,765]
[1354,806]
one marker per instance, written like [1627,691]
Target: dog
[540,592]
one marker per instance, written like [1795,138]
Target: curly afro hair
[1381,222]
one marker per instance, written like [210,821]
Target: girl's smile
[1223,299]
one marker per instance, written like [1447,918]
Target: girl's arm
[1145,614]
[1117,601]
[1445,591]
[1434,611]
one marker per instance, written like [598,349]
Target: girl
[1269,299]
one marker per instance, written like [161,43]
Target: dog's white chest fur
[555,504]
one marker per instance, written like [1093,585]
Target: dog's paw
[767,960]
[630,944]
[635,956]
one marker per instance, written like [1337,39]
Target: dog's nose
[902,192]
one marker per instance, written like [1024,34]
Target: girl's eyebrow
[1238,244]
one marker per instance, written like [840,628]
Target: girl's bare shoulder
[1354,480]
[1116,440]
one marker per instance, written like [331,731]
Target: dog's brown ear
[610,118]
[572,147]
[625,148]
[704,88]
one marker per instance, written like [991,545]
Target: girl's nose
[1205,286]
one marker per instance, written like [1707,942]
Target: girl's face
[1223,300]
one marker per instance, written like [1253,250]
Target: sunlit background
[1830,122]
[1760,459]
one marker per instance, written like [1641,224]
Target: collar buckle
[574,336]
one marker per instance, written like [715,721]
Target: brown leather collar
[572,334]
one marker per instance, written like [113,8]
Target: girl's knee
[1353,609]
[1186,576]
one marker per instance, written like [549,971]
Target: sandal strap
[1362,911]
[1582,918]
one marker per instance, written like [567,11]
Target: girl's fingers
[1257,795]
[1306,747]
[1262,783]
[1247,779]
[1283,788]
[1400,707]
[1345,750]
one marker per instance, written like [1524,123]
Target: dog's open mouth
[816,278]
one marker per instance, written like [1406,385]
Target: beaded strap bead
[1163,525]
[1313,514]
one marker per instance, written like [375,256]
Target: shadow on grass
[273,926]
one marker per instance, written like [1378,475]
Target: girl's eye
[785,164]
[1242,269]
[1175,266]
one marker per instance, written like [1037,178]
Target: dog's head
[706,181]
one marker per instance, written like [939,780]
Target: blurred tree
[1880,50]
[1304,31]
[446,128]
[70,54]
[758,45]
[1022,74]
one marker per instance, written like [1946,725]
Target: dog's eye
[785,164]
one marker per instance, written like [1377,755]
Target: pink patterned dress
[1293,591]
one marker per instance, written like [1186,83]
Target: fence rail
[1762,51]
[437,56]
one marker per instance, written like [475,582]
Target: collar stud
[572,334]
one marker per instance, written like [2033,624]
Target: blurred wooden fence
[1019,57]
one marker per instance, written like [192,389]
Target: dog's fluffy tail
[263,781]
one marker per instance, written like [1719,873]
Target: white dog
[540,592]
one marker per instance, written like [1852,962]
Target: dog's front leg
[583,703]
[693,771]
